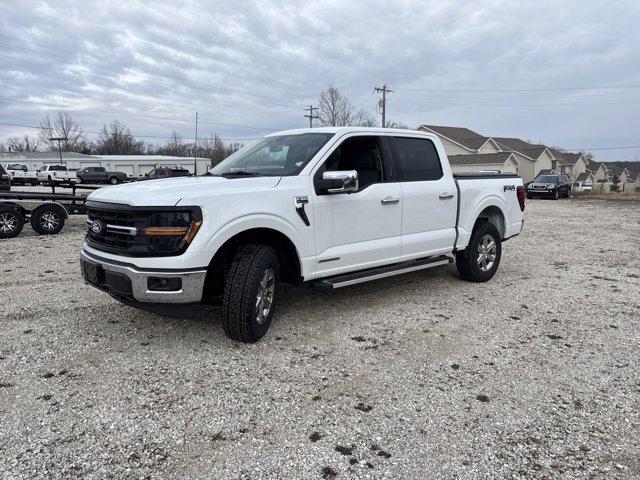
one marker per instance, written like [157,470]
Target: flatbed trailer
[47,218]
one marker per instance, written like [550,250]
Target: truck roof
[372,130]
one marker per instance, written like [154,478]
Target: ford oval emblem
[97,227]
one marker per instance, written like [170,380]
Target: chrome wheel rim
[264,298]
[487,252]
[8,223]
[49,221]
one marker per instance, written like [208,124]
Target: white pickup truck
[329,206]
[52,174]
[21,175]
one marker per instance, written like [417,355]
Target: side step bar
[344,280]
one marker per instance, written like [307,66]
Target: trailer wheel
[11,222]
[48,219]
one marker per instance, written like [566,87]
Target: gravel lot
[532,375]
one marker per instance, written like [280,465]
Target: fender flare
[250,222]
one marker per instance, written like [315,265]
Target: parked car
[550,186]
[55,174]
[21,175]
[5,180]
[582,187]
[165,172]
[100,175]
[330,206]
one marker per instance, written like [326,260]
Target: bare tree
[336,110]
[24,144]
[215,149]
[397,125]
[117,140]
[63,126]
[175,146]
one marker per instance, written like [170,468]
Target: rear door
[429,197]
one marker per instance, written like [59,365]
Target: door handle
[446,196]
[390,200]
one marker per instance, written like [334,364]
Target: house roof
[498,158]
[546,171]
[463,136]
[527,149]
[567,158]
[583,177]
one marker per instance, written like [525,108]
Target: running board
[346,279]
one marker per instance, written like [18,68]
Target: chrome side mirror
[345,181]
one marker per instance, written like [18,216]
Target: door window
[416,159]
[361,154]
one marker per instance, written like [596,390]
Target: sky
[563,73]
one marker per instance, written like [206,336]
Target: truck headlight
[172,230]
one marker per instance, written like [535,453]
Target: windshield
[547,179]
[281,155]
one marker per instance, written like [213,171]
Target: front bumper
[541,193]
[131,284]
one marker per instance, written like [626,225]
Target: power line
[607,87]
[127,114]
[133,135]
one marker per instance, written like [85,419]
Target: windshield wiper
[240,173]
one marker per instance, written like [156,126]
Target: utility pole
[195,150]
[383,103]
[311,116]
[59,140]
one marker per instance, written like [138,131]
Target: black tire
[556,194]
[34,183]
[467,261]
[79,179]
[240,317]
[114,181]
[47,220]
[11,222]
[529,196]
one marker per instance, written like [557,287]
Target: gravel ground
[532,375]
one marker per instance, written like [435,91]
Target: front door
[357,230]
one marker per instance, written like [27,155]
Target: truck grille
[113,239]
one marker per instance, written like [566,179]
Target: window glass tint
[361,154]
[416,159]
[58,168]
[180,173]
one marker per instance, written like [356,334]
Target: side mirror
[340,181]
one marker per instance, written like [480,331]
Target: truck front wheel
[480,260]
[250,293]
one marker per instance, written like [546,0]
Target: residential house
[585,180]
[505,162]
[539,156]
[600,171]
[571,164]
[461,141]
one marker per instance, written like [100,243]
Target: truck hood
[170,191]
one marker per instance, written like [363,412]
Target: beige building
[571,164]
[459,141]
[504,162]
[539,157]
[599,170]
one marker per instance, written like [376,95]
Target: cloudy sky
[563,73]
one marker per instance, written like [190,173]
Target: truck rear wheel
[114,180]
[11,222]
[480,260]
[47,220]
[249,299]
